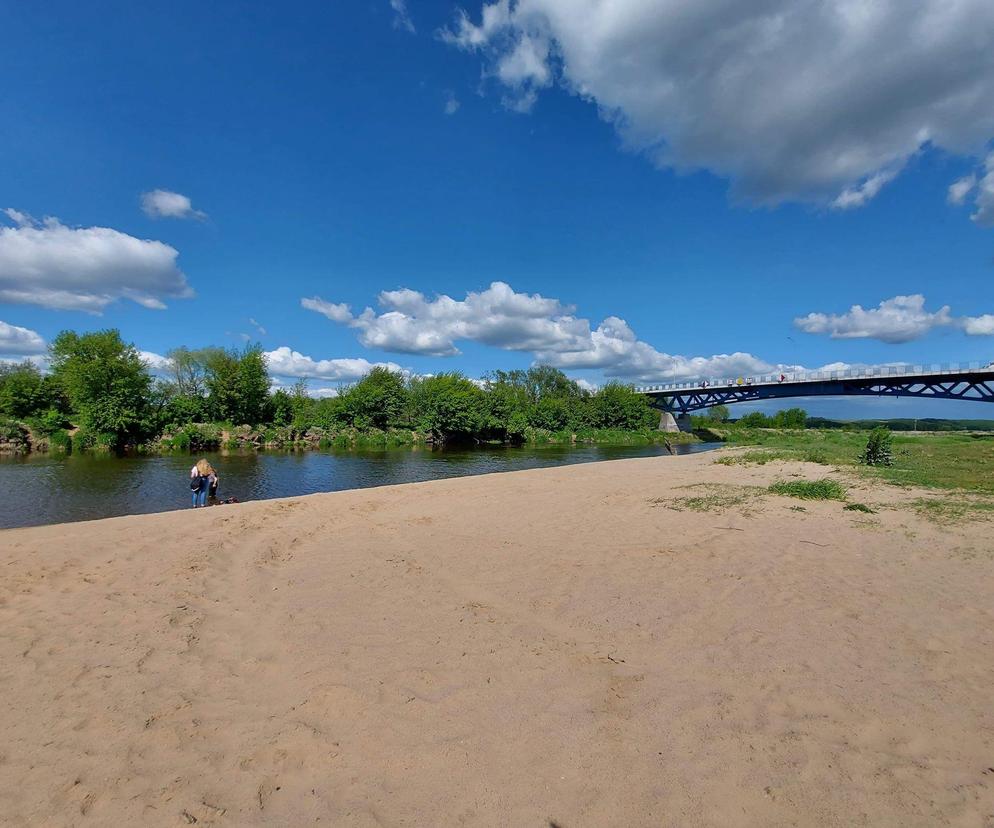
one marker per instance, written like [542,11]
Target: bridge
[946,381]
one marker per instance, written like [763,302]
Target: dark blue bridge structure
[955,381]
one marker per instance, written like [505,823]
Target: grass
[945,461]
[761,458]
[858,507]
[713,498]
[823,489]
[946,511]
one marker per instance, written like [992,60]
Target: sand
[549,647]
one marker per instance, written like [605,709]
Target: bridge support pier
[667,422]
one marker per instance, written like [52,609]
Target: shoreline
[581,644]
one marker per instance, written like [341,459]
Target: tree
[107,384]
[718,414]
[378,400]
[755,419]
[447,405]
[237,384]
[23,391]
[791,418]
[618,406]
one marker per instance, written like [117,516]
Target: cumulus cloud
[900,319]
[285,362]
[18,341]
[502,318]
[979,325]
[84,268]
[497,316]
[401,16]
[813,100]
[156,362]
[167,204]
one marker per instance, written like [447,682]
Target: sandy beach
[576,646]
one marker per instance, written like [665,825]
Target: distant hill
[905,424]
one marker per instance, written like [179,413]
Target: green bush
[60,441]
[878,449]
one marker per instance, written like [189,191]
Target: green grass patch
[939,460]
[713,497]
[946,511]
[858,507]
[824,489]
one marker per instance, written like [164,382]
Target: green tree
[791,418]
[618,406]
[237,384]
[107,384]
[718,414]
[447,406]
[755,419]
[23,391]
[378,400]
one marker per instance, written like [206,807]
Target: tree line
[99,385]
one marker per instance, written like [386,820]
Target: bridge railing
[861,372]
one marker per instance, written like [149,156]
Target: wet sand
[573,646]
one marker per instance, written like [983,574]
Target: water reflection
[40,489]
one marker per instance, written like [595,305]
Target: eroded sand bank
[539,647]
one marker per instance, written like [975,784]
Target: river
[43,489]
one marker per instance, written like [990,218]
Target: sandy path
[535,648]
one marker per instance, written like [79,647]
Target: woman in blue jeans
[202,478]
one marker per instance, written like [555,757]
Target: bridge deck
[936,372]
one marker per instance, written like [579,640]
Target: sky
[629,190]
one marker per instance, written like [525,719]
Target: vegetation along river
[43,489]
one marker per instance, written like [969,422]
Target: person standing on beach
[202,478]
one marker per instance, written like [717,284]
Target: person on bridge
[782,378]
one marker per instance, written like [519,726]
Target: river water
[41,489]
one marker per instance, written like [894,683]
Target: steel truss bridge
[950,381]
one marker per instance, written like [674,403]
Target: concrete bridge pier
[667,422]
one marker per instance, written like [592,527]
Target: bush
[60,441]
[878,449]
[448,406]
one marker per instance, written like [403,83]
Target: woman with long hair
[202,478]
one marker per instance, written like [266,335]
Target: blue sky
[339,151]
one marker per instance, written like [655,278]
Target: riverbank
[642,642]
[20,438]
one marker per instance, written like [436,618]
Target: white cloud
[857,196]
[285,362]
[900,319]
[336,313]
[790,99]
[156,362]
[401,16]
[259,328]
[84,268]
[960,189]
[15,340]
[981,186]
[167,204]
[615,349]
[979,325]
[497,316]
[451,103]
[502,318]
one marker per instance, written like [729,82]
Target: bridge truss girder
[979,389]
